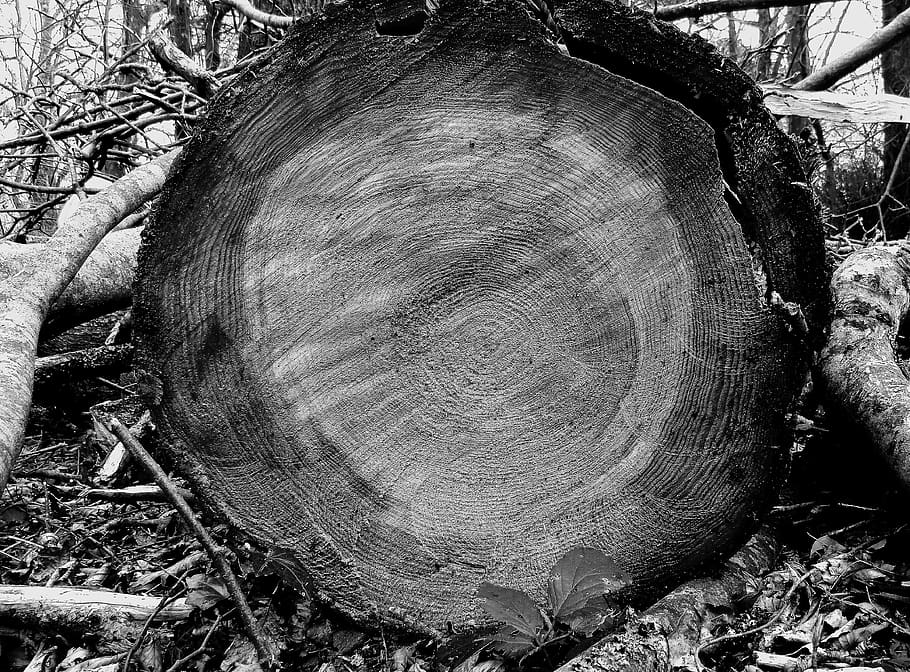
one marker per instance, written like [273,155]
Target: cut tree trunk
[455,303]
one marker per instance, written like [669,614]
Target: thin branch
[691,10]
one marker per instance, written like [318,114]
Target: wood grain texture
[422,312]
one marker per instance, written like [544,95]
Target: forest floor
[838,598]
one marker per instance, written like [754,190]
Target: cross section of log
[419,312]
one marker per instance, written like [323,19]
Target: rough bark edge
[770,194]
[859,370]
[667,635]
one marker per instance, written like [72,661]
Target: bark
[27,294]
[512,320]
[859,368]
[896,164]
[103,284]
[667,635]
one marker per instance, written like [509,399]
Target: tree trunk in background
[798,49]
[135,15]
[896,80]
[214,18]
[180,27]
[767,30]
[734,46]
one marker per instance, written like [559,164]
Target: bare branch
[839,107]
[698,8]
[249,11]
[881,40]
[174,59]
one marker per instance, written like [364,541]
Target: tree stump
[423,310]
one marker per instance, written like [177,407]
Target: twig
[264,648]
[148,622]
[198,652]
[760,628]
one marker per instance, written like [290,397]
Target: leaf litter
[839,596]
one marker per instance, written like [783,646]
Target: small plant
[579,591]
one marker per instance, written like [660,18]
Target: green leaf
[205,591]
[582,574]
[510,642]
[513,607]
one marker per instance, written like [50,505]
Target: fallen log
[454,304]
[102,285]
[101,361]
[109,619]
[133,494]
[668,634]
[859,370]
[29,290]
[91,334]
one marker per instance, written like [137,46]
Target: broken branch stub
[456,303]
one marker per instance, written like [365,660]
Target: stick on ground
[264,648]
